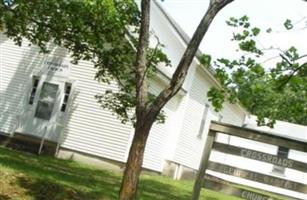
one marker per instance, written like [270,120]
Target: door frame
[30,109]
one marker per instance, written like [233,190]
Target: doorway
[45,107]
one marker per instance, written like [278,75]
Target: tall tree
[146,114]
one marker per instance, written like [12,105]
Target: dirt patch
[42,189]
[9,190]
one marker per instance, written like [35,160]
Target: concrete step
[27,143]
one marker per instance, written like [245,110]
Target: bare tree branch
[285,59]
[149,60]
[187,58]
[292,74]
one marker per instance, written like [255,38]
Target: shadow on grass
[40,189]
[50,178]
[47,178]
[152,189]
[4,197]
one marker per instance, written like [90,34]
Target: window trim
[203,121]
[34,87]
[40,101]
[67,96]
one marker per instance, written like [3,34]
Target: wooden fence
[218,184]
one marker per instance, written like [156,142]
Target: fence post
[42,141]
[203,165]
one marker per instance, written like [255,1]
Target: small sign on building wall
[56,66]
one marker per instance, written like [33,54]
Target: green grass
[30,177]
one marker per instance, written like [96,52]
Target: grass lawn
[30,177]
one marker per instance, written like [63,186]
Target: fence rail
[227,187]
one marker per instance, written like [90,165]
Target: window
[66,96]
[46,101]
[282,152]
[35,82]
[203,121]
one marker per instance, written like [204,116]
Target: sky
[262,13]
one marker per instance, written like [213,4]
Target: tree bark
[140,62]
[146,114]
[144,122]
[134,163]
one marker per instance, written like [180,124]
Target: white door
[44,107]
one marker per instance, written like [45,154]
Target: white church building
[78,121]
[74,120]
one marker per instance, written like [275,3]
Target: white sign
[56,66]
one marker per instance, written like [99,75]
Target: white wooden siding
[89,128]
[16,66]
[155,150]
[190,146]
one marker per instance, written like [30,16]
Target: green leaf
[216,97]
[288,24]
[256,31]
[269,30]
[205,59]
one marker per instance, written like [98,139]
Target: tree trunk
[147,113]
[128,190]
